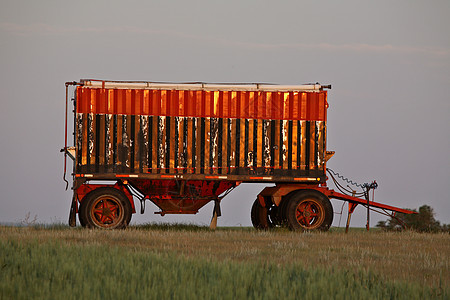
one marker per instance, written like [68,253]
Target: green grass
[190,262]
[52,270]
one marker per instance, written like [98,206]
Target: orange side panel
[200,132]
[310,106]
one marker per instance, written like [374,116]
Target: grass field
[190,262]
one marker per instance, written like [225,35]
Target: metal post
[366,194]
[65,137]
[216,214]
[348,219]
[350,211]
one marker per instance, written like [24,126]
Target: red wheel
[105,208]
[309,213]
[309,210]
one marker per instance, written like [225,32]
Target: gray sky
[388,62]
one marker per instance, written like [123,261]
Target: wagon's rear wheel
[282,211]
[105,208]
[259,216]
[275,216]
[309,210]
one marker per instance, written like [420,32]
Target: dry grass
[406,257]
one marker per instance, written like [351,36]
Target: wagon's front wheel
[309,210]
[105,208]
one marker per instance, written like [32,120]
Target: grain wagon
[182,145]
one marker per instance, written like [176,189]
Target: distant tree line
[423,221]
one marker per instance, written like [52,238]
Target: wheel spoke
[301,208]
[99,208]
[308,207]
[103,219]
[113,208]
[308,220]
[302,220]
[98,211]
[113,216]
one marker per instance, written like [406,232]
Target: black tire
[274,213]
[259,216]
[80,218]
[309,210]
[106,208]
[282,211]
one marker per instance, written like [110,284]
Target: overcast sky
[388,63]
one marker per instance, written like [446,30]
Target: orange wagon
[182,145]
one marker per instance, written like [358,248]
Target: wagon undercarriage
[297,206]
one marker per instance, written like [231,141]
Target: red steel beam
[336,195]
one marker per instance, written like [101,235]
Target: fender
[86,188]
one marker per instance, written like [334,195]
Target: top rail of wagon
[195,86]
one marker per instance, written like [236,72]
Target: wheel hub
[308,213]
[106,211]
